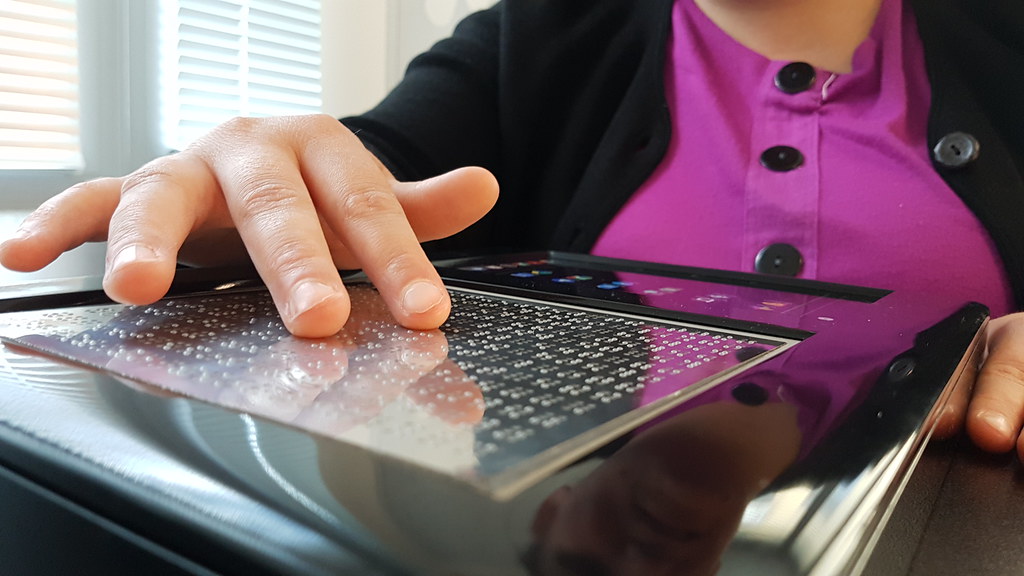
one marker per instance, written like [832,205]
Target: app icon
[613,285]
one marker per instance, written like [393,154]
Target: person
[859,141]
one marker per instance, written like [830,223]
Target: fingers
[300,196]
[315,199]
[271,207]
[435,208]
[996,412]
[160,205]
[356,198]
[444,205]
[62,223]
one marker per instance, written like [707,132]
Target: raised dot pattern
[520,377]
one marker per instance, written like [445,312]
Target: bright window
[216,59]
[39,115]
[92,88]
[226,58]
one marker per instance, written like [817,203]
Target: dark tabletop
[961,513]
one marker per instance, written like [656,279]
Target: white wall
[368,43]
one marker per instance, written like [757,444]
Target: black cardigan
[564,101]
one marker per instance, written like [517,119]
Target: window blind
[39,112]
[226,58]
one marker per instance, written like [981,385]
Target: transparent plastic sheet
[502,383]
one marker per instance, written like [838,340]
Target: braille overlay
[500,382]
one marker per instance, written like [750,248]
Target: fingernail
[421,297]
[308,295]
[133,253]
[996,421]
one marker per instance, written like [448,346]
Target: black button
[750,394]
[956,149]
[901,368]
[795,77]
[782,158]
[781,259]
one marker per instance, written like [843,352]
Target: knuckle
[82,209]
[261,130]
[366,202]
[240,125]
[51,209]
[248,126]
[1006,373]
[324,132]
[264,195]
[292,259]
[88,194]
[322,121]
[399,264]
[92,186]
[229,134]
[289,257]
[147,178]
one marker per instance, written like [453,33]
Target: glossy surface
[789,463]
[506,391]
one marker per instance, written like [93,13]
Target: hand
[994,410]
[300,196]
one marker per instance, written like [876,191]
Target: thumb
[996,413]
[444,205]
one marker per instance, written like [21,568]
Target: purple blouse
[853,191]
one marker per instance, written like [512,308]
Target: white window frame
[110,32]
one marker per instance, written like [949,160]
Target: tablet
[574,413]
